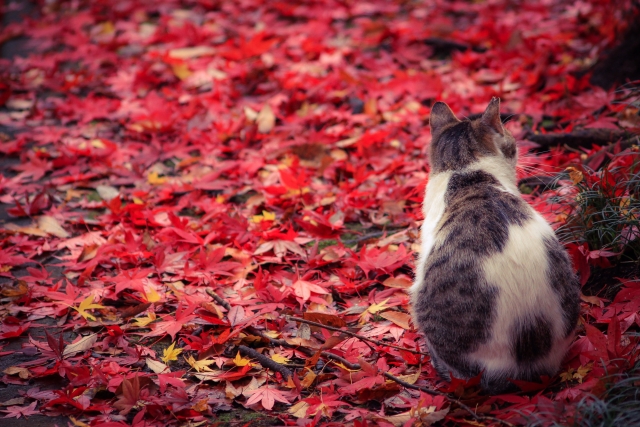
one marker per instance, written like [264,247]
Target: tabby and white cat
[494,290]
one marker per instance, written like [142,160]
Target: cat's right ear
[441,117]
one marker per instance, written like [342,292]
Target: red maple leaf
[21,411]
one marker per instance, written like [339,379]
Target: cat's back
[494,290]
[456,302]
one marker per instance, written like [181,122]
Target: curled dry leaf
[83,344]
[51,225]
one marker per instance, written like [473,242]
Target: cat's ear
[491,116]
[441,116]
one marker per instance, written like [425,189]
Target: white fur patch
[520,274]
[433,209]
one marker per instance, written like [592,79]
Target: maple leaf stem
[354,335]
[265,361]
[476,417]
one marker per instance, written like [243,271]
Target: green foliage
[605,208]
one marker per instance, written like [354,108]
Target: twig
[345,362]
[218,299]
[450,45]
[578,138]
[471,412]
[252,330]
[354,335]
[265,361]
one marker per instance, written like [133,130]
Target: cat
[494,291]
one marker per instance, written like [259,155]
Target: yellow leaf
[87,304]
[266,216]
[152,295]
[199,365]
[241,361]
[411,378]
[339,364]
[299,410]
[170,353]
[279,358]
[567,376]
[97,143]
[374,308]
[145,320]
[271,334]
[154,179]
[582,372]
[181,71]
[308,379]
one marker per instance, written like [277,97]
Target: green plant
[605,208]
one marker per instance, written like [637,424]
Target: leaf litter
[234,201]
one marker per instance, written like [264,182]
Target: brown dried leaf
[401,282]
[20,289]
[16,370]
[325,319]
[400,319]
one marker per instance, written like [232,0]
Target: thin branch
[471,412]
[265,361]
[354,335]
[345,362]
[252,330]
[450,45]
[218,299]
[578,138]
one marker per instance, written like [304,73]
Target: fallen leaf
[83,344]
[51,225]
[265,119]
[400,319]
[170,353]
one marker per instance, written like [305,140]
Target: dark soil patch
[622,63]
[605,282]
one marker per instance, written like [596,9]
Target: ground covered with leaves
[211,208]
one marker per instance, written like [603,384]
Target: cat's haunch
[494,291]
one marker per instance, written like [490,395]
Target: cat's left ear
[491,116]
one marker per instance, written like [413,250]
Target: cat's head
[455,144]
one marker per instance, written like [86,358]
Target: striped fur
[494,290]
